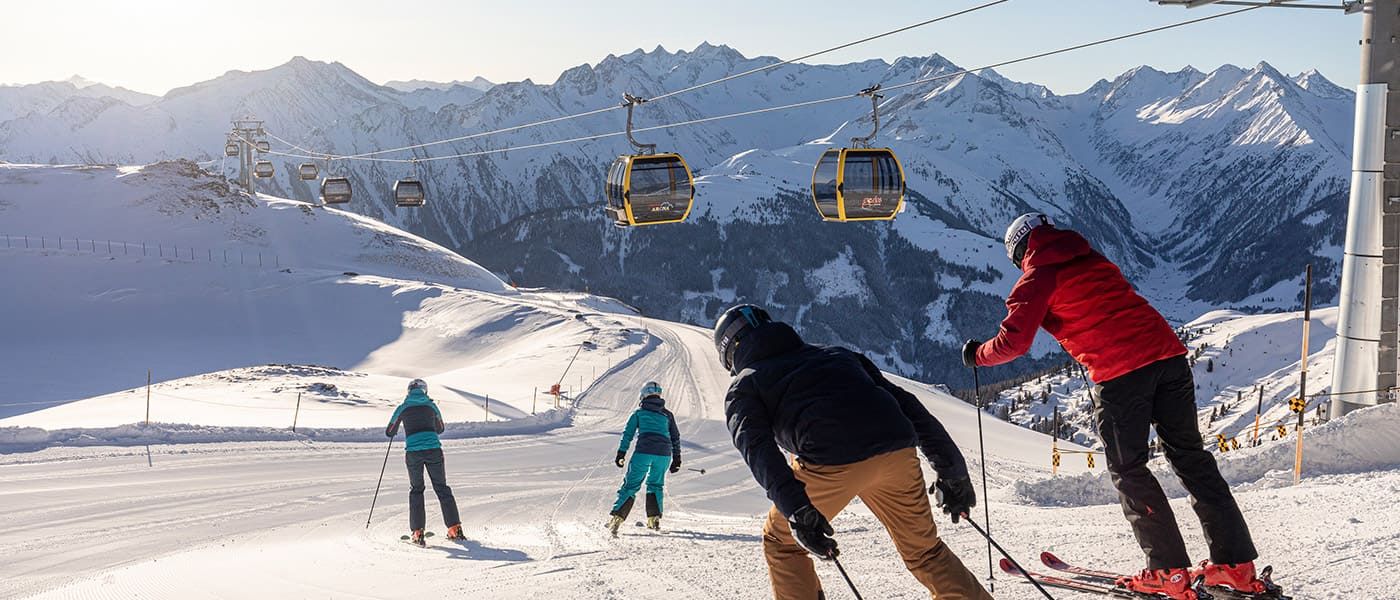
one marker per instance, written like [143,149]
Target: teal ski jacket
[655,430]
[421,419]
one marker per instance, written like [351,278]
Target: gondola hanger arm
[873,92]
[630,102]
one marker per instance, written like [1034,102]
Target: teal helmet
[652,388]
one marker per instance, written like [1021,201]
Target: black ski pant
[431,461]
[1163,394]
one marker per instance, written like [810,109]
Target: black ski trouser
[431,461]
[1163,394]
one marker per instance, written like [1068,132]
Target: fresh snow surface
[219,499]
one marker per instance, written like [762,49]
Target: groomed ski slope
[85,516]
[287,519]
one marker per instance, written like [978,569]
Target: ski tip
[1052,561]
[1007,566]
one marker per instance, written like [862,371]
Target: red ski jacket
[1083,300]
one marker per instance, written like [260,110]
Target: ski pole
[986,504]
[992,542]
[700,471]
[847,578]
[381,481]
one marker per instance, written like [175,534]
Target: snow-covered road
[536,492]
[287,519]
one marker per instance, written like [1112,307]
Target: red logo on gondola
[872,202]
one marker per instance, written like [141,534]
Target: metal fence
[254,257]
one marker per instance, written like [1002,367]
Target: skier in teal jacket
[658,449]
[422,422]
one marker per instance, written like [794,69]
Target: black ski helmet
[733,325]
[1018,235]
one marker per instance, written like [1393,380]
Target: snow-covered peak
[80,82]
[1317,83]
[1144,85]
[297,72]
[477,83]
[1016,88]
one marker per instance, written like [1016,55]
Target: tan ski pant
[892,485]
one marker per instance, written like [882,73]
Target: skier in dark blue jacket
[853,434]
[422,422]
[658,450]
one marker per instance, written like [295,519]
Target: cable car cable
[662,96]
[794,105]
[830,50]
[1086,45]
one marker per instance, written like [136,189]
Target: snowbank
[1366,440]
[28,439]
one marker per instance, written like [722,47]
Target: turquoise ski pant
[648,467]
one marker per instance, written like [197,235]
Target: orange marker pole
[1303,374]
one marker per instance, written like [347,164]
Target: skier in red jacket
[1143,380]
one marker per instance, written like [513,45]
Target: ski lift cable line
[306,150]
[692,88]
[576,140]
[922,81]
[1082,46]
[828,50]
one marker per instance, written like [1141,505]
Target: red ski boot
[1240,578]
[417,538]
[1167,583]
[454,533]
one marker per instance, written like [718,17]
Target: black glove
[813,532]
[955,496]
[676,465]
[969,354]
[621,455]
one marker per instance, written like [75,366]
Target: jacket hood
[1050,246]
[765,341]
[418,397]
[654,402]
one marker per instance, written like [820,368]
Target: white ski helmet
[417,384]
[1018,233]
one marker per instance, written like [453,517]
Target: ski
[1054,562]
[1204,592]
[408,539]
[1077,585]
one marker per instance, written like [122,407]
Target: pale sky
[155,45]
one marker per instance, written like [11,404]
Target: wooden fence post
[297,413]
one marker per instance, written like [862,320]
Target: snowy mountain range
[477,83]
[1210,189]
